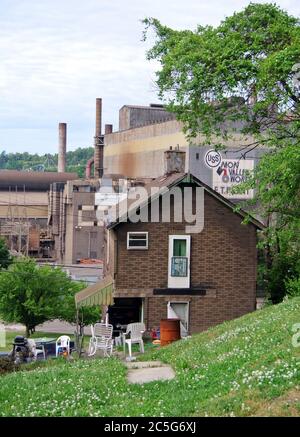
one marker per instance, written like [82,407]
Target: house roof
[163,183]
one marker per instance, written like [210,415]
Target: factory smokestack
[62,138]
[98,141]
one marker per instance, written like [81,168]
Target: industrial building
[132,155]
[57,215]
[24,210]
[63,218]
[72,214]
[145,133]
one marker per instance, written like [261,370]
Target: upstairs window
[179,247]
[137,240]
[179,261]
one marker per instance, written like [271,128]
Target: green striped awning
[100,293]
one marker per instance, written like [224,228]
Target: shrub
[293,287]
[7,366]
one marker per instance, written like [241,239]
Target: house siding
[223,257]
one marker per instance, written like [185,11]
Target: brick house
[160,270]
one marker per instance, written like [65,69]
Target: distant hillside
[76,161]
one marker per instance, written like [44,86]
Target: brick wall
[223,256]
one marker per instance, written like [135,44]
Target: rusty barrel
[169,331]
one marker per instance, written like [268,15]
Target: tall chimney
[98,141]
[108,128]
[174,161]
[62,137]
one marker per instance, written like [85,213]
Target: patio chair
[101,339]
[36,350]
[63,342]
[135,330]
[119,340]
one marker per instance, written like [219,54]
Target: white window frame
[179,281]
[142,311]
[137,247]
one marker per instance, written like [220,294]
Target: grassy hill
[244,367]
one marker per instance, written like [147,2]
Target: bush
[7,366]
[293,287]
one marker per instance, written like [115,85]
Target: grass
[244,367]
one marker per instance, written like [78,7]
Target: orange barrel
[169,331]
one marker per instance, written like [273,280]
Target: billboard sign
[230,173]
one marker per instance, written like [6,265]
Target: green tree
[5,258]
[76,161]
[30,294]
[82,317]
[243,76]
[208,75]
[85,316]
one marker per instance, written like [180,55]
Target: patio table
[43,342]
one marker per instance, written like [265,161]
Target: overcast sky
[57,56]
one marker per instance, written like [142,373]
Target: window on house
[179,266]
[179,258]
[179,261]
[137,240]
[179,247]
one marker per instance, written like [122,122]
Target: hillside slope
[244,367]
[247,366]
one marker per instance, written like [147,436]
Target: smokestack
[98,141]
[108,129]
[62,138]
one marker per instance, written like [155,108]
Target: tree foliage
[85,316]
[31,294]
[5,258]
[76,161]
[208,76]
[243,77]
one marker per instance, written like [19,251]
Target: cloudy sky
[57,56]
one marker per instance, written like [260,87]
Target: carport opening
[124,311]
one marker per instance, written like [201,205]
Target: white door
[179,261]
[180,310]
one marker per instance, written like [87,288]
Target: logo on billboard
[213,158]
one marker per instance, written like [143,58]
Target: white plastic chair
[135,330]
[119,340]
[36,350]
[62,342]
[101,339]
